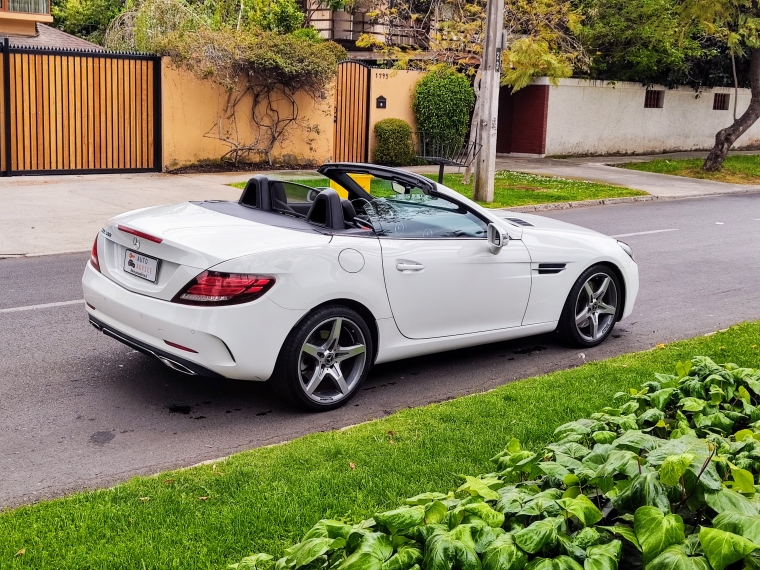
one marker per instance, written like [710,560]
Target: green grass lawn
[738,169]
[513,189]
[264,499]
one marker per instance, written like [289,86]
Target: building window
[654,99]
[720,101]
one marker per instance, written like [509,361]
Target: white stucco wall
[596,118]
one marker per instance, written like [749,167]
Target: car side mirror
[496,239]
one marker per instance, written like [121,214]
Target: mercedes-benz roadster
[309,287]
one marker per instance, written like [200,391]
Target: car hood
[531,223]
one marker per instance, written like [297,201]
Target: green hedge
[393,143]
[442,105]
[665,480]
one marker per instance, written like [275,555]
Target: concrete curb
[580,204]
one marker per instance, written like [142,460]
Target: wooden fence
[79,112]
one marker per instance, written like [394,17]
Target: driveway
[79,410]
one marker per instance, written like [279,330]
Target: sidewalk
[42,215]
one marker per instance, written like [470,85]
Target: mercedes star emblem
[136,242]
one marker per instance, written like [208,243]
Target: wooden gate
[352,112]
[79,112]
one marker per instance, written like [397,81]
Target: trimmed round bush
[442,104]
[393,143]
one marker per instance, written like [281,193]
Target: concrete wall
[398,89]
[596,118]
[192,107]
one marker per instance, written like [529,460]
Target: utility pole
[490,81]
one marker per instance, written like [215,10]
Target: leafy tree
[88,19]
[735,23]
[636,40]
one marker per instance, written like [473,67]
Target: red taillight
[212,288]
[140,234]
[94,255]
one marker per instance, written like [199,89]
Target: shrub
[393,143]
[442,104]
[664,480]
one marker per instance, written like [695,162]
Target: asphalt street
[79,410]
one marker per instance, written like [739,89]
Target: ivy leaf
[651,417]
[503,554]
[603,556]
[435,512]
[480,488]
[539,534]
[644,490]
[405,558]
[674,558]
[307,551]
[559,563]
[445,550]
[553,469]
[661,398]
[635,440]
[620,461]
[251,562]
[673,468]
[723,548]
[582,508]
[728,500]
[604,437]
[655,531]
[512,500]
[744,482]
[692,404]
[743,525]
[402,519]
[624,532]
[425,498]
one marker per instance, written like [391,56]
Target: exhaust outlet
[176,366]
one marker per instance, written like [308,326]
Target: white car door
[441,277]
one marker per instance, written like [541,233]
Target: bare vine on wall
[269,71]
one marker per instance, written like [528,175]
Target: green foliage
[281,16]
[88,19]
[442,104]
[680,492]
[637,40]
[393,143]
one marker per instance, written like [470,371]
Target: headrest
[326,210]
[349,212]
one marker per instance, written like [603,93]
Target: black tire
[582,334]
[308,352]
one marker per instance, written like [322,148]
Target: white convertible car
[310,289]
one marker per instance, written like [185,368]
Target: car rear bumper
[172,361]
[240,341]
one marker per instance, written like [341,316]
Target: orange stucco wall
[397,87]
[191,108]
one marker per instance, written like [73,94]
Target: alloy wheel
[596,307]
[332,360]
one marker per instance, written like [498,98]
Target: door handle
[406,266]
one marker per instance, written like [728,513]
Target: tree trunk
[727,137]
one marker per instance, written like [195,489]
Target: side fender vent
[519,221]
[550,268]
